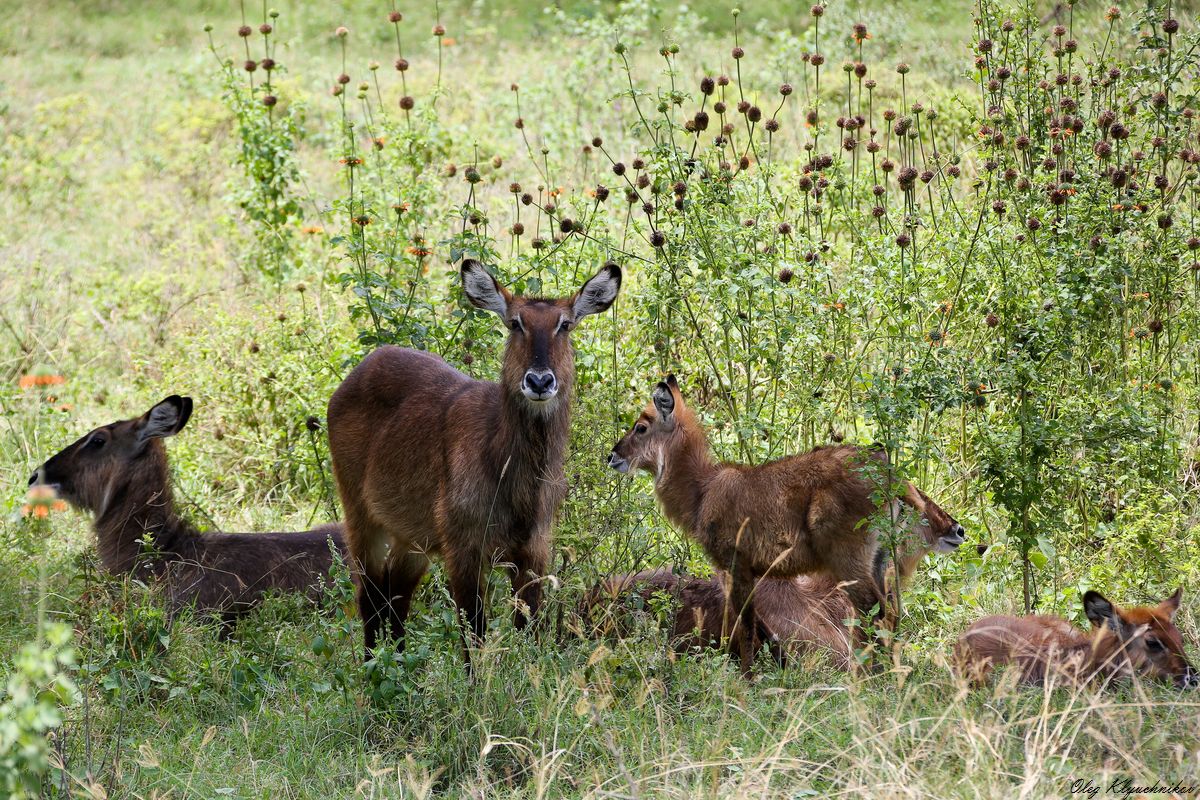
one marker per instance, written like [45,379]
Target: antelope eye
[94,443]
[640,428]
[1154,644]
[515,324]
[565,326]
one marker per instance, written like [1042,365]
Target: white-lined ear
[664,401]
[167,418]
[1171,604]
[1101,612]
[482,289]
[599,292]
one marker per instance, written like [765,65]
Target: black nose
[539,382]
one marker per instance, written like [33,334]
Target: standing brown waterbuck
[803,614]
[1123,642]
[431,462]
[119,472]
[797,515]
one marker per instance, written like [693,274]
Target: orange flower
[312,230]
[1118,207]
[350,162]
[40,501]
[448,41]
[399,208]
[28,381]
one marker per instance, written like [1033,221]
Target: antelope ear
[1100,612]
[1171,604]
[664,401]
[599,292]
[482,289]
[167,418]
[674,384]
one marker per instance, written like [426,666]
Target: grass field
[130,267]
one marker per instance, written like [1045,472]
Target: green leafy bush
[38,688]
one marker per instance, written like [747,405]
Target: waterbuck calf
[798,515]
[431,462]
[804,614]
[119,473]
[1123,642]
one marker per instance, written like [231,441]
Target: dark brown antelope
[804,614]
[119,473]
[799,515]
[432,462]
[1123,642]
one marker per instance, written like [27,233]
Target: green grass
[124,266]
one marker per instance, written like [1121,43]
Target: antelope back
[1140,641]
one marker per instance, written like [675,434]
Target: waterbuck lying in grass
[431,462]
[799,515]
[807,613]
[119,473]
[1123,642]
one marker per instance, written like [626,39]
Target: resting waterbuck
[119,472]
[431,462]
[1123,642]
[807,613]
[798,515]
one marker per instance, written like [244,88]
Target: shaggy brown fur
[119,473]
[431,462]
[803,514]
[804,614]
[800,615]
[1133,641]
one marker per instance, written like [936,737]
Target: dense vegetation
[976,241]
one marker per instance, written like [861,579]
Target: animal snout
[616,462]
[38,476]
[540,385]
[953,537]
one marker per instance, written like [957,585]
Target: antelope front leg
[466,587]
[528,567]
[741,598]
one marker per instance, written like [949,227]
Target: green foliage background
[1021,336]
